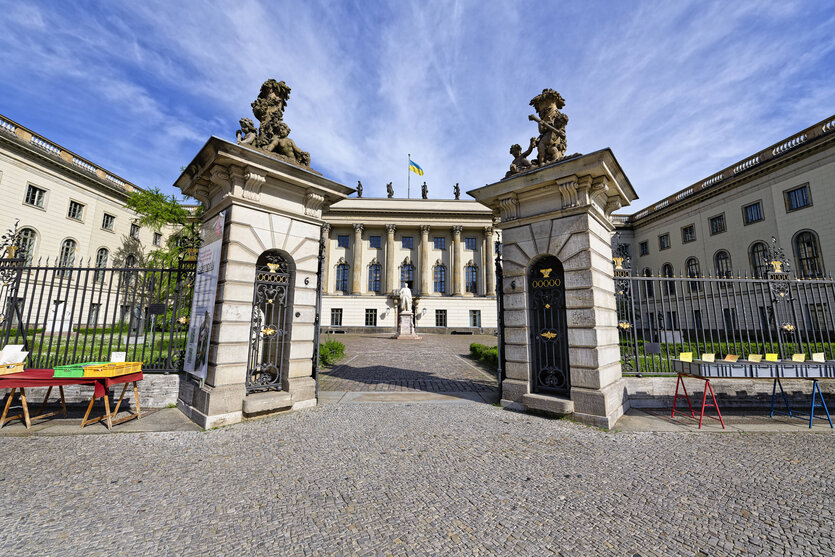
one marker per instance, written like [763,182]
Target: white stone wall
[458,311]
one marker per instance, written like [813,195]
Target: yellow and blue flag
[415,167]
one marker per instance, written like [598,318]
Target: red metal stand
[705,404]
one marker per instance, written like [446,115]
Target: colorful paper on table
[12,354]
[118,356]
[731,358]
[818,357]
[798,357]
[708,357]
[685,356]
[757,358]
[771,358]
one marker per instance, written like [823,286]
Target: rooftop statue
[456,191]
[389,190]
[272,135]
[424,191]
[359,188]
[551,142]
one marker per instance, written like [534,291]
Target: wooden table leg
[119,402]
[6,409]
[89,407]
[63,402]
[25,408]
[136,396]
[43,404]
[107,410]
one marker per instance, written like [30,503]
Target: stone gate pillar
[271,205]
[563,210]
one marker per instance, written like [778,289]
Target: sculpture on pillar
[456,191]
[424,191]
[551,142]
[359,188]
[272,135]
[405,298]
[389,190]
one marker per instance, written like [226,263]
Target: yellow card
[685,356]
[798,357]
[818,357]
[708,357]
[771,358]
[731,358]
[755,358]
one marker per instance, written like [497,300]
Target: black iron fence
[723,314]
[72,314]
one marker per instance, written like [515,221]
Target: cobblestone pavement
[456,478]
[436,363]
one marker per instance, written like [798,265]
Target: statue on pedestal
[389,190]
[405,299]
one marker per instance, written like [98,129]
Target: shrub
[486,354]
[330,352]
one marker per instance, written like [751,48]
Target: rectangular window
[688,233]
[370,317]
[440,318]
[375,242]
[752,213]
[697,319]
[644,248]
[107,221]
[440,242]
[374,278]
[816,316]
[729,318]
[343,241]
[475,318]
[797,198]
[336,317]
[157,238]
[717,224]
[407,242]
[134,231]
[664,241]
[76,210]
[671,321]
[469,243]
[35,196]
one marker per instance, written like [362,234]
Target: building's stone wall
[156,390]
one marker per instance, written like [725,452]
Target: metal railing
[66,314]
[722,314]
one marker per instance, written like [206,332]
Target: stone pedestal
[271,205]
[406,326]
[563,210]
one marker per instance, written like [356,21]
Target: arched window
[27,239]
[101,262]
[342,277]
[807,255]
[722,262]
[648,284]
[440,278]
[374,277]
[66,258]
[407,276]
[693,271]
[667,271]
[758,253]
[471,278]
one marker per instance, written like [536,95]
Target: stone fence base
[658,392]
[155,391]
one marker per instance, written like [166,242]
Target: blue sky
[678,90]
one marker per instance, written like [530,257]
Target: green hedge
[486,354]
[330,352]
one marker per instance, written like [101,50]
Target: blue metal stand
[788,411]
[816,393]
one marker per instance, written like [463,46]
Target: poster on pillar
[203,302]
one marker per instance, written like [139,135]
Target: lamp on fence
[789,328]
[625,325]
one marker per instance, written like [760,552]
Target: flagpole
[409,177]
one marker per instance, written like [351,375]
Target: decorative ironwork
[622,264]
[549,335]
[269,348]
[778,275]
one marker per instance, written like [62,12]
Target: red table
[43,378]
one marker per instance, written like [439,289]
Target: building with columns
[443,249]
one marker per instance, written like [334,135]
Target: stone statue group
[424,190]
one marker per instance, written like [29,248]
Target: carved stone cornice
[509,207]
[253,181]
[313,204]
[568,192]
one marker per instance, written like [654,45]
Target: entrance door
[548,327]
[272,304]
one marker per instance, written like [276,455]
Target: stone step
[271,401]
[549,404]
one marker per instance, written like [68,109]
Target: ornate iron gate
[272,299]
[548,327]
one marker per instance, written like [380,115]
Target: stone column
[490,263]
[357,282]
[326,234]
[391,267]
[425,268]
[458,263]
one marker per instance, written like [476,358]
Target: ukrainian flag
[415,167]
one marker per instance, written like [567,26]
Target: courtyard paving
[429,474]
